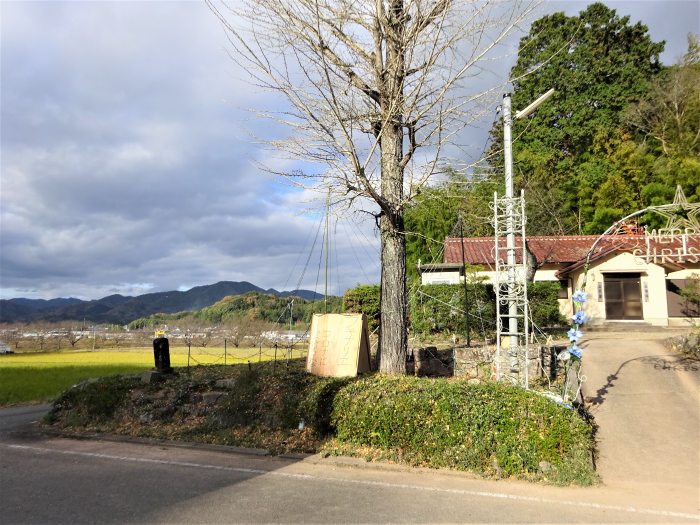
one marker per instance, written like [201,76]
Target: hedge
[490,428]
[439,308]
[364,299]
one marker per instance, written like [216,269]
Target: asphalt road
[46,479]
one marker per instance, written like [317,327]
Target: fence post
[224,351]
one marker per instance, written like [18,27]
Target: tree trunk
[531,264]
[393,336]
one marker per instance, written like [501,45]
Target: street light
[532,107]
[510,233]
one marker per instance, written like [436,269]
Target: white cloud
[129,164]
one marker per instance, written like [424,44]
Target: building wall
[685,274]
[545,273]
[652,281]
[445,277]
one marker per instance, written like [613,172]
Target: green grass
[27,384]
[41,376]
[491,428]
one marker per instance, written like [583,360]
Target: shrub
[544,304]
[93,401]
[278,399]
[439,308]
[317,405]
[364,299]
[488,428]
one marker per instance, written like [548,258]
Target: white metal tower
[511,277]
[512,310]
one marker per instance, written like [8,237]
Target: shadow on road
[95,481]
[666,362]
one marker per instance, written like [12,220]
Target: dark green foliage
[316,407]
[665,126]
[668,116]
[278,398]
[93,401]
[156,320]
[435,214]
[488,428]
[439,308]
[571,155]
[598,63]
[544,306]
[494,429]
[252,305]
[266,307]
[427,221]
[364,299]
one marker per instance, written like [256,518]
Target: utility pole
[510,236]
[516,293]
[466,294]
[328,212]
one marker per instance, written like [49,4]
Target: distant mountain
[121,309]
[45,304]
[304,294]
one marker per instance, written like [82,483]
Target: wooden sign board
[338,345]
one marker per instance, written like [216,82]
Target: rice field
[34,377]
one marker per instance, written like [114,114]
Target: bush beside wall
[364,299]
[490,428]
[439,308]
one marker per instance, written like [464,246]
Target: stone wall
[475,362]
[479,362]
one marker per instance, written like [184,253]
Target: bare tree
[40,333]
[12,334]
[376,90]
[73,336]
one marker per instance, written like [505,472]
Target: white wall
[444,277]
[652,281]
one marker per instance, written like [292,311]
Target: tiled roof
[562,249]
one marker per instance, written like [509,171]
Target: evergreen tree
[598,63]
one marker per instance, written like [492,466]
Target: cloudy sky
[128,163]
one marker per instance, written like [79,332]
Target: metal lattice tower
[510,284]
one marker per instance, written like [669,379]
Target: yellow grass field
[40,376]
[144,357]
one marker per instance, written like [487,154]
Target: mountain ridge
[121,309]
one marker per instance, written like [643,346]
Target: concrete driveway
[645,399]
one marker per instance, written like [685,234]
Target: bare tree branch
[375,92]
